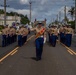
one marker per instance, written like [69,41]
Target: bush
[1,27]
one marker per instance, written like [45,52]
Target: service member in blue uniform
[24,35]
[53,35]
[62,34]
[20,33]
[4,35]
[48,30]
[38,42]
[68,36]
[13,34]
[8,31]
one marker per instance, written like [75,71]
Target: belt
[41,36]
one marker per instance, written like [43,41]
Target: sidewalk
[74,38]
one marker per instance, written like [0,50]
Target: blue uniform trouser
[62,38]
[8,39]
[68,39]
[3,40]
[53,40]
[20,40]
[49,36]
[15,38]
[24,39]
[39,47]
[11,39]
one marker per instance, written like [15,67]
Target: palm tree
[72,11]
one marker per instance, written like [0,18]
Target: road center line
[70,52]
[13,51]
[69,49]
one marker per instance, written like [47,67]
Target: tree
[71,12]
[72,24]
[1,11]
[24,19]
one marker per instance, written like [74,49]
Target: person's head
[55,26]
[6,26]
[39,25]
[22,26]
[63,25]
[69,26]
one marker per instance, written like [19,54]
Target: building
[9,19]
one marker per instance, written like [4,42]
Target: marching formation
[64,33]
[22,35]
[10,35]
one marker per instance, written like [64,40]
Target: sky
[41,9]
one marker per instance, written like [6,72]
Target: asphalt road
[7,49]
[58,60]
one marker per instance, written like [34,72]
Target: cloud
[24,1]
[41,9]
[62,9]
[43,1]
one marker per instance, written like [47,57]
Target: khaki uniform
[61,30]
[11,32]
[69,31]
[22,36]
[25,32]
[53,32]
[4,32]
[7,30]
[20,32]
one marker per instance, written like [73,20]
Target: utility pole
[4,12]
[65,14]
[30,10]
[75,15]
[59,16]
[15,19]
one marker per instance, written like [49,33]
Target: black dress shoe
[36,59]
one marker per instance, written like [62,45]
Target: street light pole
[59,16]
[65,14]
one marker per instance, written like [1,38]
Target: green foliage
[71,12]
[1,27]
[24,19]
[1,11]
[72,24]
